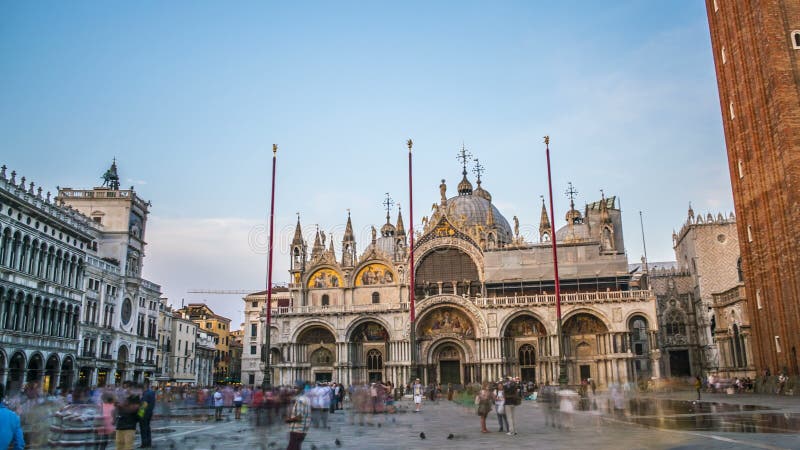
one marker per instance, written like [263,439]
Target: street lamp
[562,361]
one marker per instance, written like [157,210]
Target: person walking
[298,421]
[417,390]
[146,415]
[218,401]
[10,428]
[237,403]
[513,399]
[127,413]
[484,402]
[105,427]
[499,398]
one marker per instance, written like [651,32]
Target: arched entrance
[447,336]
[16,373]
[67,373]
[582,333]
[51,370]
[523,338]
[449,370]
[640,346]
[122,365]
[35,368]
[317,345]
[368,351]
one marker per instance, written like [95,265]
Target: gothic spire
[348,230]
[544,222]
[400,229]
[298,233]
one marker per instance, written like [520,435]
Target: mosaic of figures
[370,332]
[316,335]
[525,326]
[374,274]
[447,321]
[325,278]
[584,324]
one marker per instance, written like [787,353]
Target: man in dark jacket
[513,396]
[127,414]
[145,416]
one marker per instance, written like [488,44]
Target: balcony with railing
[482,302]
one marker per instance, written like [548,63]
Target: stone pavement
[591,430]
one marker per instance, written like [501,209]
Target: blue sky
[190,96]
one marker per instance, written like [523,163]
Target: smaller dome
[483,193]
[464,187]
[388,230]
[574,216]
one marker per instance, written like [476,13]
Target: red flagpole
[267,331]
[562,377]
[412,311]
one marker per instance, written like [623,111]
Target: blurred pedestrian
[298,421]
[698,384]
[146,415]
[105,427]
[237,403]
[417,390]
[500,406]
[218,402]
[10,428]
[484,402]
[127,414]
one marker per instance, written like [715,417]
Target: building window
[374,360]
[758,298]
[716,6]
[253,329]
[739,269]
[724,57]
[796,39]
[740,165]
[376,297]
[251,379]
[749,233]
[730,105]
[252,349]
[326,300]
[778,344]
[254,304]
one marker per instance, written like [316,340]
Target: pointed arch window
[675,324]
[527,355]
[374,360]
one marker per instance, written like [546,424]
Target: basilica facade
[485,304]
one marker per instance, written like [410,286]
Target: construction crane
[231,291]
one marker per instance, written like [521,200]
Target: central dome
[476,211]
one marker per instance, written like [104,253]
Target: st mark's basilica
[485,303]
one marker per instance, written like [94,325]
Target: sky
[190,96]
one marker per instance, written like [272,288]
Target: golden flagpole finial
[274,148]
[547,140]
[410,143]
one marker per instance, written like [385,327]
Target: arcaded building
[485,303]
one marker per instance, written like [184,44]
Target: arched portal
[640,346]
[51,372]
[122,365]
[450,359]
[523,337]
[35,368]
[317,346]
[16,373]
[67,374]
[446,271]
[368,350]
[583,334]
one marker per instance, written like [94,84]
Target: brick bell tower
[756,46]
